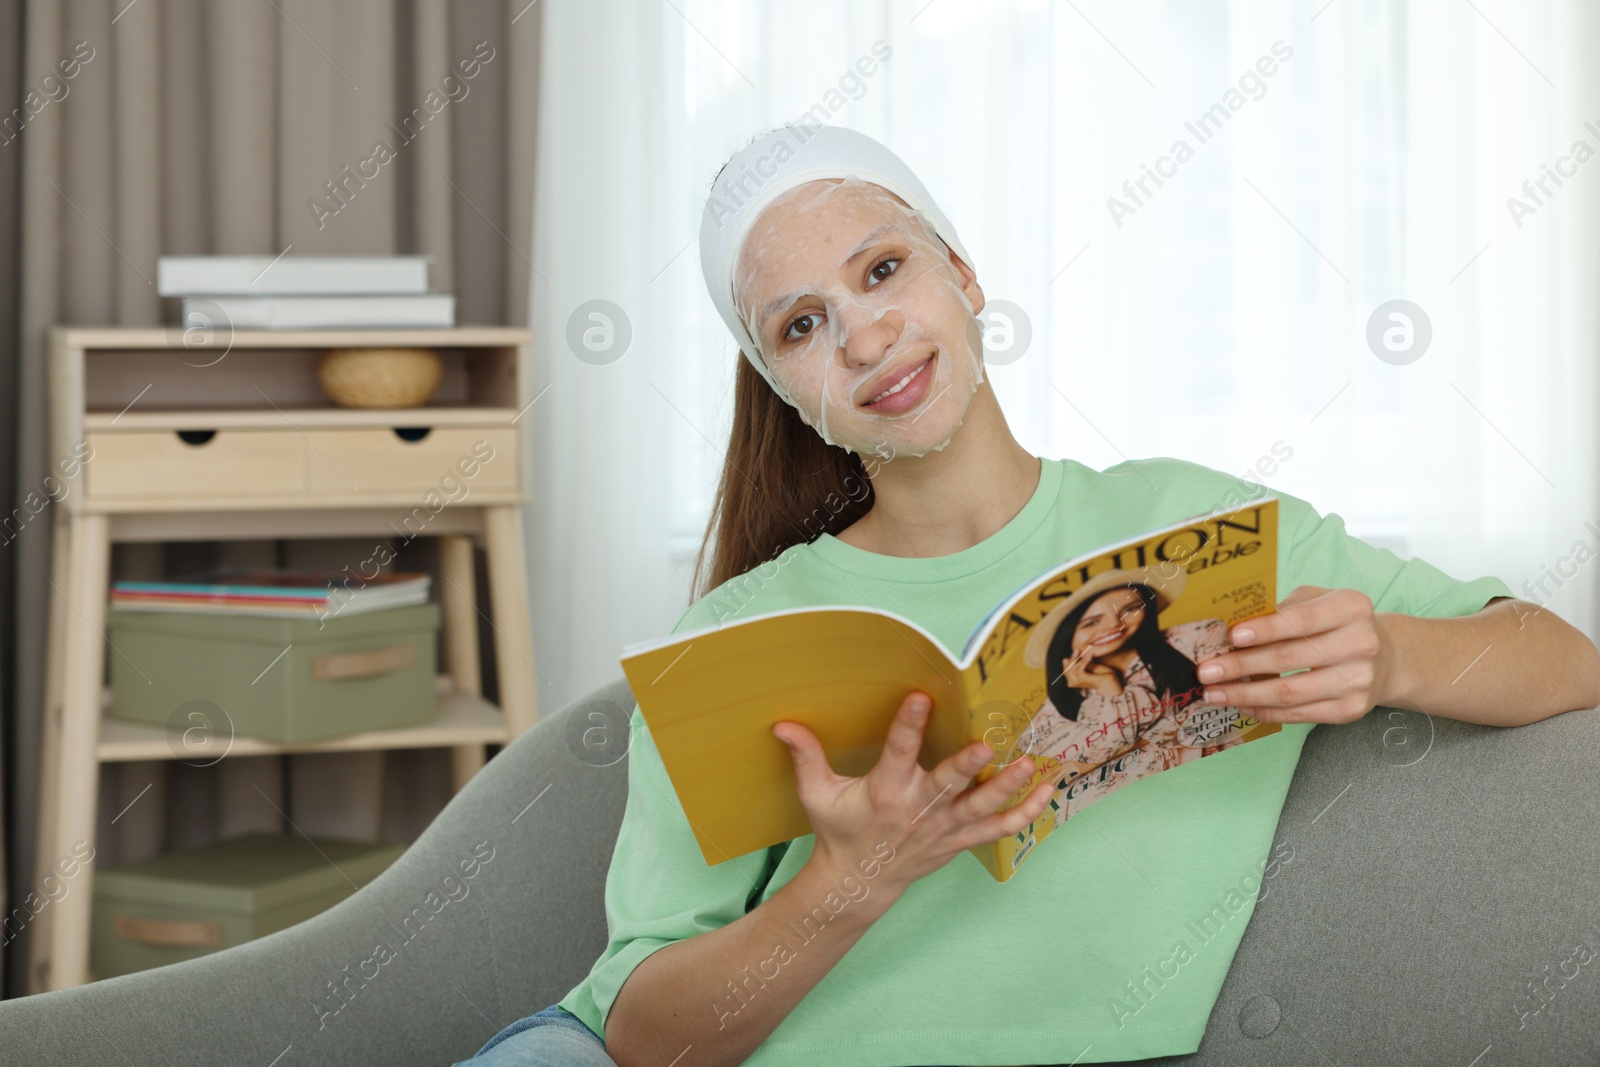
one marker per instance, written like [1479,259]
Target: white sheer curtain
[1224,319]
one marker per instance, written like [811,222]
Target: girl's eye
[878,273]
[796,321]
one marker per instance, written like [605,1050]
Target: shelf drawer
[383,460]
[229,463]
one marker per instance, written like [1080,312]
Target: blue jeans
[553,1037]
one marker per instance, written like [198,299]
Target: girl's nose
[867,333]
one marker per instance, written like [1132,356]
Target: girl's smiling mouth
[906,393]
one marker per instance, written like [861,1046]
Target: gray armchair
[1440,905]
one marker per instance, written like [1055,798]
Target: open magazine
[1088,669]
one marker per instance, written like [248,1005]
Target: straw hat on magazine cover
[1166,586]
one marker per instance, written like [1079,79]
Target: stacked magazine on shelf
[294,593]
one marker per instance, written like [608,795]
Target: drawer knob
[412,433]
[196,437]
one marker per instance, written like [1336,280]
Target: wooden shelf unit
[164,435]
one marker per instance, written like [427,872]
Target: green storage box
[278,679]
[185,904]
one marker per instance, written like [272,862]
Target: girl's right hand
[928,817]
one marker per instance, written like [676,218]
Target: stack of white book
[304,292]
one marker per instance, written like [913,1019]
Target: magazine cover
[1088,669]
[1091,673]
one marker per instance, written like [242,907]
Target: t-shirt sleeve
[659,888]
[1315,549]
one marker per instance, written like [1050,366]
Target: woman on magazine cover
[869,463]
[1113,677]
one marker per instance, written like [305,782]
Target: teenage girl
[870,463]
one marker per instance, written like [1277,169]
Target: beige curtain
[196,127]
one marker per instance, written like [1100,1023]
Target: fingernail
[1210,672]
[1215,696]
[1243,635]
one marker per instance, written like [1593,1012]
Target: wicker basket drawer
[476,458]
[165,463]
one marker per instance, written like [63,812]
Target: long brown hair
[781,485]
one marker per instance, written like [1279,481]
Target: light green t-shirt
[1064,962]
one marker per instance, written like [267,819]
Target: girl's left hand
[1331,635]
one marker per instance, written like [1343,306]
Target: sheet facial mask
[860,318]
[833,186]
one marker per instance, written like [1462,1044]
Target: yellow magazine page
[710,699]
[1091,671]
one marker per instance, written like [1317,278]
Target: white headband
[772,165]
